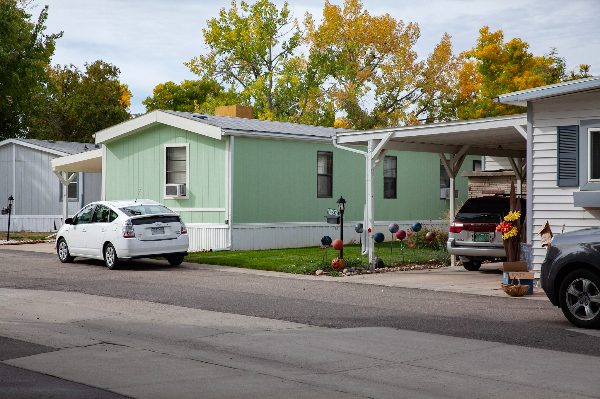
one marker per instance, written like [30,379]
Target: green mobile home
[251,184]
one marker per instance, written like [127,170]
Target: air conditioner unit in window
[175,190]
[445,193]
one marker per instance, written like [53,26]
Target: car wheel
[472,265]
[62,249]
[175,260]
[110,257]
[579,297]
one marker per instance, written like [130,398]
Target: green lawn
[308,260]
[19,236]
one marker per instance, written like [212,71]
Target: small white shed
[563,149]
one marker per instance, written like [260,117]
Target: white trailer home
[26,174]
[563,149]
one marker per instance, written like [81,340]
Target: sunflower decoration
[507,228]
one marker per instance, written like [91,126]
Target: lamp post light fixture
[342,206]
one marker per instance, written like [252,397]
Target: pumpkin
[338,264]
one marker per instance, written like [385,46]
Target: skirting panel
[206,237]
[294,235]
[35,223]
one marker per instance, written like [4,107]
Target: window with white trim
[72,191]
[324,174]
[594,155]
[390,171]
[176,170]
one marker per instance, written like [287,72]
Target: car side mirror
[69,221]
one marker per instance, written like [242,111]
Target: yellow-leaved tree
[495,67]
[374,75]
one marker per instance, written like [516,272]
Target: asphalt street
[363,315]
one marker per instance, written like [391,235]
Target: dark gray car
[570,276]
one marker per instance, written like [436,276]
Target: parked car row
[116,231]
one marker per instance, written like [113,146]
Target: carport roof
[503,136]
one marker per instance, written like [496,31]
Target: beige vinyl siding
[550,202]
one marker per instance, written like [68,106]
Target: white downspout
[229,151]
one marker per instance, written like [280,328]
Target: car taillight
[183,227]
[128,231]
[456,227]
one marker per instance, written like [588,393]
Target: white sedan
[122,230]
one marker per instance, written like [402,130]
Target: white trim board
[154,118]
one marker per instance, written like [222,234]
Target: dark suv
[570,276]
[473,236]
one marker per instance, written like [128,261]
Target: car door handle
[104,230]
[83,230]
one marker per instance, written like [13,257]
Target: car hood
[585,236]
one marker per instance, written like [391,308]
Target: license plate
[158,230]
[481,237]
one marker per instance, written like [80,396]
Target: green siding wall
[136,162]
[276,181]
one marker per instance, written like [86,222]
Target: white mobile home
[26,174]
[563,149]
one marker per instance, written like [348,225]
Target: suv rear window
[137,210]
[483,210]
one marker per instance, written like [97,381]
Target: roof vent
[198,116]
[85,148]
[51,141]
[96,145]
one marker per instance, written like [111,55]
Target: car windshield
[137,210]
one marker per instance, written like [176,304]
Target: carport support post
[370,207]
[452,167]
[62,176]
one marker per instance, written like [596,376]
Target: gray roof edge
[571,86]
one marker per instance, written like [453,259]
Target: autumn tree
[376,78]
[253,55]
[25,52]
[78,104]
[495,67]
[188,96]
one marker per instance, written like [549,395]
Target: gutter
[230,201]
[364,249]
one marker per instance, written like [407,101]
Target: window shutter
[568,156]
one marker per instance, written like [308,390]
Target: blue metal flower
[416,227]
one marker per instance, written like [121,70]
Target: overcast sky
[149,40]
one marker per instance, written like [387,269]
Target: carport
[87,161]
[504,136]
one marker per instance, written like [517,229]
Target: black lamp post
[8,210]
[342,205]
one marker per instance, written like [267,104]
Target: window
[444,177]
[72,191]
[101,215]
[389,177]
[594,155]
[567,157]
[176,170]
[324,174]
[84,215]
[476,165]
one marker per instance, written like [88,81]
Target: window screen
[389,177]
[324,174]
[176,165]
